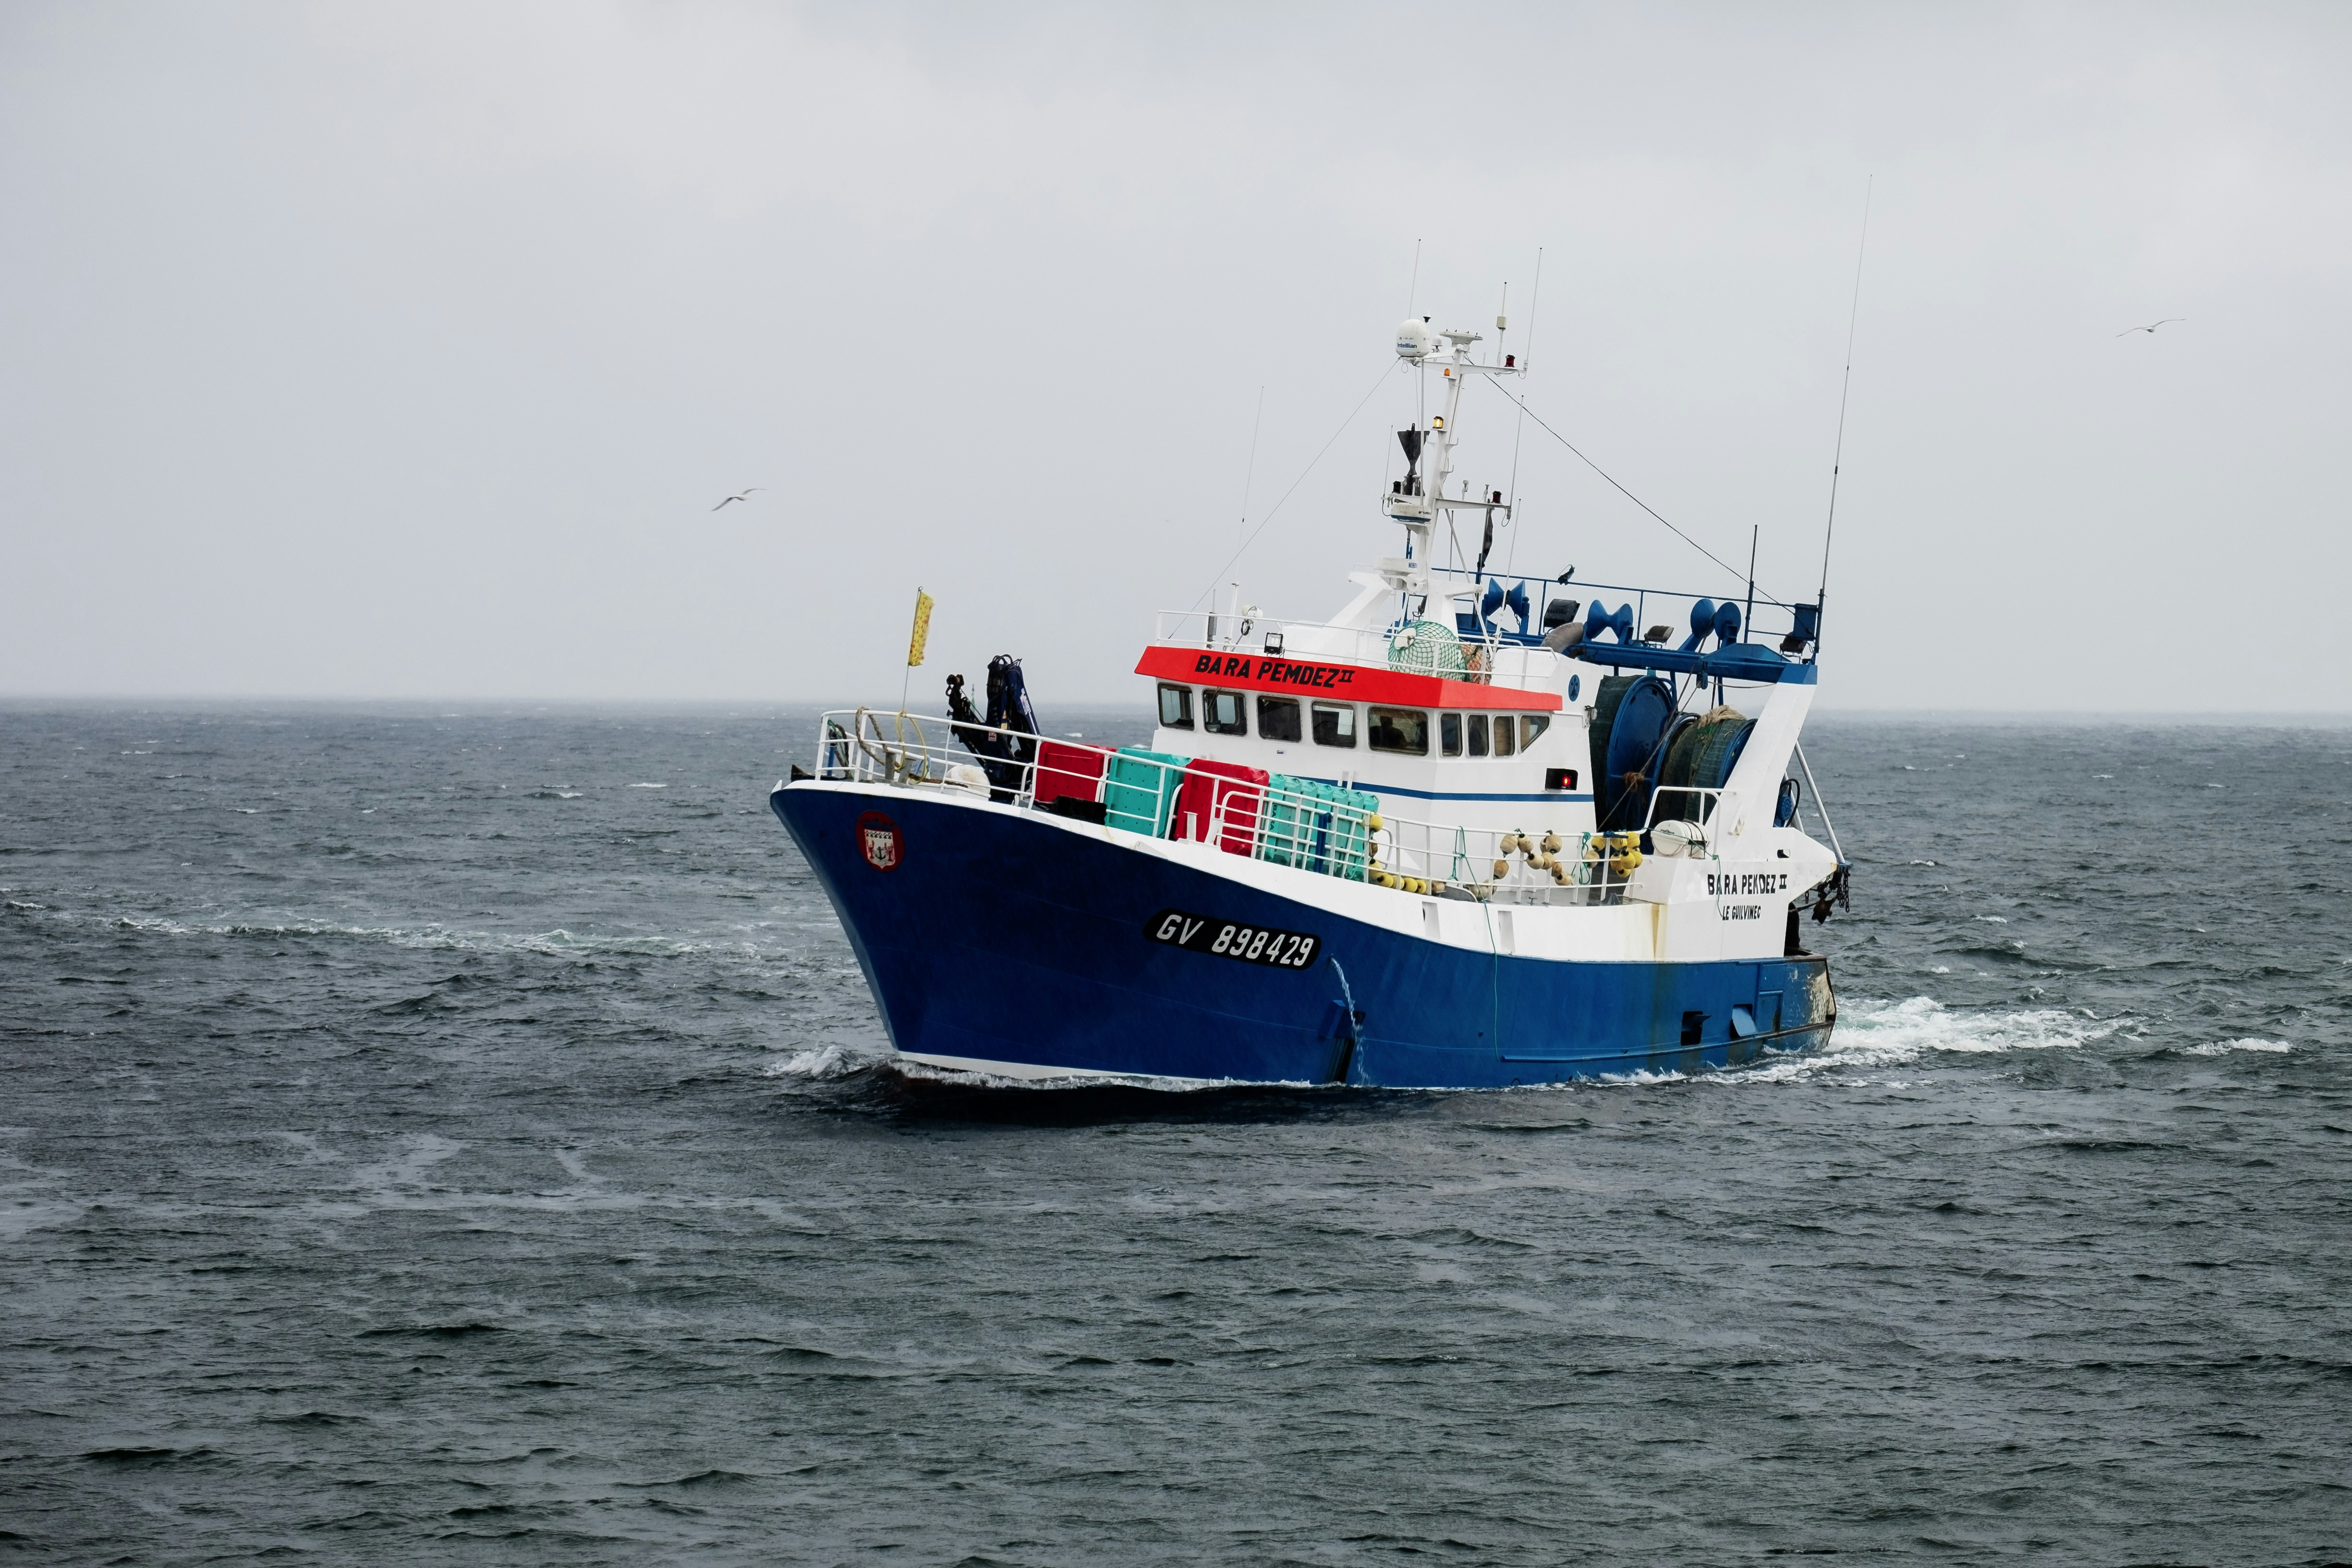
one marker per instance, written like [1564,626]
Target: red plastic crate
[1068,770]
[1241,791]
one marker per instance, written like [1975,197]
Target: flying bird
[740,495]
[2151,327]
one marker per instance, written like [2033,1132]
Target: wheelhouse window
[1221,713]
[1477,734]
[1175,706]
[1402,729]
[1449,733]
[1531,726]
[1506,734]
[1277,717]
[1334,725]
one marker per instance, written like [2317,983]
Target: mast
[1414,502]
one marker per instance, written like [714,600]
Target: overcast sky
[402,350]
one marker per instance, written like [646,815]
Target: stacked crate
[1317,826]
[1140,789]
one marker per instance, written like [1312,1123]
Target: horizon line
[2253,718]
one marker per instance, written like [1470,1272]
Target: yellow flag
[922,629]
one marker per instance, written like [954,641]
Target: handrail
[1369,645]
[1288,827]
[1366,644]
[1550,588]
[1285,827]
[1650,818]
[894,762]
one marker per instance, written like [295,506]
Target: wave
[557,943]
[823,1062]
[1873,1033]
[922,1073]
[2223,1048]
[835,1062]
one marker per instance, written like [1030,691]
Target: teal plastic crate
[1138,793]
[1317,826]
[1286,830]
[1350,847]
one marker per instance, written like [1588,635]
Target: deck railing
[1140,792]
[1315,833]
[1216,631]
[1791,628]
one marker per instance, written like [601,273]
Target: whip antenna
[1249,474]
[1837,459]
[1520,429]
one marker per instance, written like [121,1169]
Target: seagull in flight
[2151,326]
[744,496]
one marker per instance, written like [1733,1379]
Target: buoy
[1502,870]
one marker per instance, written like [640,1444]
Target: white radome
[1413,337]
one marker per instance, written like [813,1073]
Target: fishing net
[1427,648]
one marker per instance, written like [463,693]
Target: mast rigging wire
[1211,590]
[1629,495]
[1249,473]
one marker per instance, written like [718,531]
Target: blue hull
[997,936]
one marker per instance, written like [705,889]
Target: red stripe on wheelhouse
[1343,682]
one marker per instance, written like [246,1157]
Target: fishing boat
[1472,831]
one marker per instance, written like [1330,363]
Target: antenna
[1412,291]
[1519,426]
[1250,473]
[1837,459]
[1755,532]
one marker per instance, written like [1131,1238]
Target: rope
[1355,1041]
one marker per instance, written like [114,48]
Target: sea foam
[1876,1033]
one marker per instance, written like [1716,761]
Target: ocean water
[463,1136]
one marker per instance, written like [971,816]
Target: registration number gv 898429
[1232,938]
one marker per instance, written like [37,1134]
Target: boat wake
[823,1062]
[1873,1033]
[1871,1037]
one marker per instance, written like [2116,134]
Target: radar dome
[1413,337]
